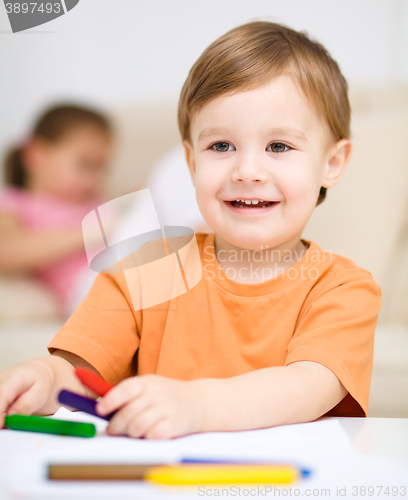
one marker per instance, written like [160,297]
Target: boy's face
[265,144]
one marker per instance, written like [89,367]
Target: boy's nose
[250,170]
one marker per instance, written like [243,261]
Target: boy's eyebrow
[292,132]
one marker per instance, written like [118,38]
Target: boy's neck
[244,262]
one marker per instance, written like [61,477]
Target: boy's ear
[338,159]
[189,154]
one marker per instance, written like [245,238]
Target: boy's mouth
[251,203]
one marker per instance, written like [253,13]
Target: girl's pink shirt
[42,212]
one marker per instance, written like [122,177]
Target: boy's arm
[63,364]
[300,392]
[74,360]
[32,387]
[159,407]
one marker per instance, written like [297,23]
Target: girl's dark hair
[53,124]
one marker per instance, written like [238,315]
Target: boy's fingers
[145,420]
[121,394]
[27,403]
[118,424]
[8,393]
[4,404]
[160,430]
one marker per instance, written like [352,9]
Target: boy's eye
[276,147]
[221,147]
[279,147]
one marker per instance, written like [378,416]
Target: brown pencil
[99,472]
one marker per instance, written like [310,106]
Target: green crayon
[49,425]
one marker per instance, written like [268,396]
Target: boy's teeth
[246,203]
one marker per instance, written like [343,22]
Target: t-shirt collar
[286,279]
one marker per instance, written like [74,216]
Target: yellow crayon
[222,474]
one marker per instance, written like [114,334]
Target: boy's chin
[252,240]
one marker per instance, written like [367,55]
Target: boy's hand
[25,388]
[152,406]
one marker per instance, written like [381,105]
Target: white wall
[113,53]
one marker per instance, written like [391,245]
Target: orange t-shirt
[323,309]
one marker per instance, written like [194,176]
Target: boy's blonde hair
[249,56]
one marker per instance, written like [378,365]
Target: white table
[385,437]
[345,455]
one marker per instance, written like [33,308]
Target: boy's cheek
[299,188]
[206,192]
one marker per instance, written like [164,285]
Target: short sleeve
[337,331]
[103,329]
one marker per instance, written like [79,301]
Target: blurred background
[129,60]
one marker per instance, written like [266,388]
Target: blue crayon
[81,403]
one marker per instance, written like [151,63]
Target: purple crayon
[81,403]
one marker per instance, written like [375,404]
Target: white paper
[321,446]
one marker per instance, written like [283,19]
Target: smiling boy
[265,144]
[277,331]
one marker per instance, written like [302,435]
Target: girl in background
[52,182]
